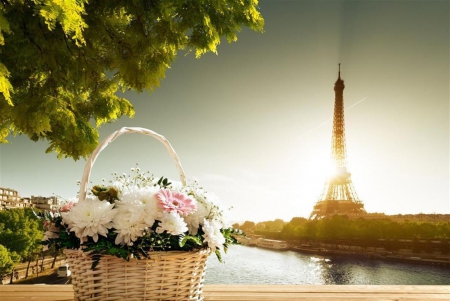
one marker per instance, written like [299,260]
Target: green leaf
[219,255]
[190,238]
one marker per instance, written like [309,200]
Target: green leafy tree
[275,225]
[288,232]
[235,225]
[62,62]
[6,262]
[260,226]
[22,232]
[366,231]
[248,227]
[310,228]
[298,221]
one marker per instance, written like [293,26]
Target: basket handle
[126,130]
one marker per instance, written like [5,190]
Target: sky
[253,123]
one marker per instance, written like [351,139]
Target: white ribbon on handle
[126,130]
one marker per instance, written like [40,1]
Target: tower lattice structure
[338,196]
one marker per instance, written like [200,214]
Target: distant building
[44,203]
[10,199]
[26,202]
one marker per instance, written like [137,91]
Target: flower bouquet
[139,237]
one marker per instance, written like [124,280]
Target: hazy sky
[253,124]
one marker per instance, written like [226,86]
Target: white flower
[176,185]
[129,225]
[173,223]
[151,210]
[137,210]
[195,219]
[212,235]
[143,205]
[130,198]
[216,212]
[208,207]
[144,200]
[90,218]
[52,232]
[119,186]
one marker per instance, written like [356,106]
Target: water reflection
[328,272]
[251,265]
[336,274]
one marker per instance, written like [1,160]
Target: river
[252,265]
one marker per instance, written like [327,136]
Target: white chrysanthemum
[194,220]
[212,235]
[143,199]
[129,225]
[137,211]
[173,223]
[129,198]
[208,207]
[90,218]
[152,211]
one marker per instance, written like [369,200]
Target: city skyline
[253,124]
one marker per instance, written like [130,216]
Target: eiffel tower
[339,195]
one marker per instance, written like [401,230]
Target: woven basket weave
[165,276]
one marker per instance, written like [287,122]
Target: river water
[252,265]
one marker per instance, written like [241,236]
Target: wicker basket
[166,276]
[173,275]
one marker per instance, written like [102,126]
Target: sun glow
[325,169]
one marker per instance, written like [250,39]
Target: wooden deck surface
[258,292]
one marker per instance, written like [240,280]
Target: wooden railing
[258,292]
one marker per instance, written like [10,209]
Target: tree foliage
[341,227]
[248,227]
[6,262]
[62,62]
[21,232]
[275,225]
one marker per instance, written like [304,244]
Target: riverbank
[371,255]
[361,249]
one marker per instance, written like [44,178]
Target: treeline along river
[253,265]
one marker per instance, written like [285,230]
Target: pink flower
[175,202]
[67,207]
